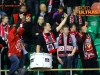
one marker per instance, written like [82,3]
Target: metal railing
[38,70]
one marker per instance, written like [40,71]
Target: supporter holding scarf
[66,48]
[75,18]
[87,51]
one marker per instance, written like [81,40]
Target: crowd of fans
[59,25]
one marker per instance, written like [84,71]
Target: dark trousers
[75,62]
[67,63]
[55,66]
[91,63]
[34,4]
[90,2]
[5,60]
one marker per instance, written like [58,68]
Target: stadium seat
[79,65]
[32,48]
[5,67]
[92,32]
[93,18]
[93,21]
[97,45]
[82,2]
[99,32]
[59,67]
[33,18]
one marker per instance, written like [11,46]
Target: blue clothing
[16,63]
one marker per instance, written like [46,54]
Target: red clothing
[3,30]
[74,33]
[86,47]
[14,41]
[16,16]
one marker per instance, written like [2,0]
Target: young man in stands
[74,32]
[59,11]
[27,36]
[21,2]
[4,30]
[15,47]
[4,27]
[72,3]
[15,16]
[44,14]
[75,18]
[87,51]
[66,48]
[47,41]
[37,30]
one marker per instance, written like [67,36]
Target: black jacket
[47,18]
[2,42]
[36,29]
[16,10]
[27,35]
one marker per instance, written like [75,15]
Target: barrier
[57,70]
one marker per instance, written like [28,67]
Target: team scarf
[63,51]
[61,41]
[88,48]
[72,19]
[50,3]
[3,31]
[73,32]
[50,46]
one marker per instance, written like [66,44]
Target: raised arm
[62,23]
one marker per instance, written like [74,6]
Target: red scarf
[88,49]
[2,30]
[72,19]
[50,46]
[73,32]
[69,39]
[64,51]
